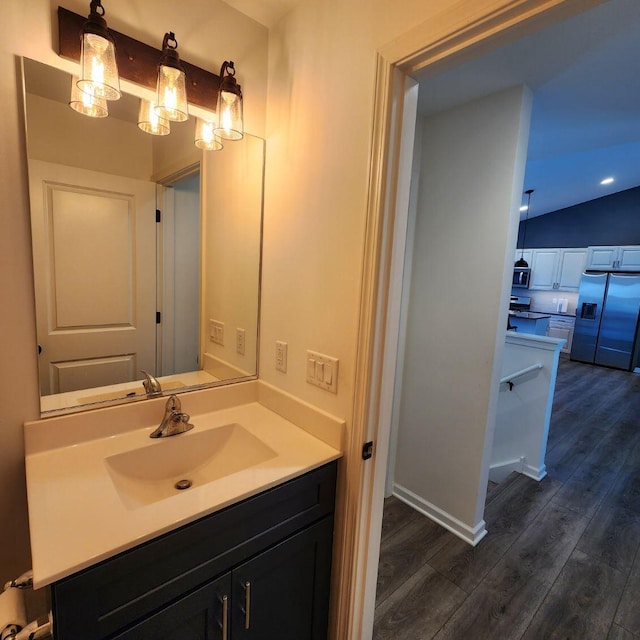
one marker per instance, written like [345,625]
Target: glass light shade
[205,135]
[149,121]
[171,102]
[86,103]
[230,123]
[99,72]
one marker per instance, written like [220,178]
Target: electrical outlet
[240,340]
[281,356]
[216,332]
[322,371]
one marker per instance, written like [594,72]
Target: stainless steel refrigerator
[606,330]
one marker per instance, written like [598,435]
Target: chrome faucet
[151,385]
[174,421]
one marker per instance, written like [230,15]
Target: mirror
[118,288]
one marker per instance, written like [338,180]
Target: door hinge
[367,450]
[158,317]
[158,215]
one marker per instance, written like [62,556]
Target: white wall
[472,169]
[524,411]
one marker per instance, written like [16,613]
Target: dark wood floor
[561,557]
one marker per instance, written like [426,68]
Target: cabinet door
[572,265]
[602,257]
[629,258]
[204,614]
[544,268]
[283,593]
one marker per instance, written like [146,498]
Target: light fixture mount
[229,111]
[95,22]
[137,61]
[170,57]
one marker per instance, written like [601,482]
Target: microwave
[521,277]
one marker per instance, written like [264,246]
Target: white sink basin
[148,474]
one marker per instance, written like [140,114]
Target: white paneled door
[94,240]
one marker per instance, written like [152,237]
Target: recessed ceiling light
[606,181]
[523,207]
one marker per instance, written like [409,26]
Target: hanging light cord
[526,220]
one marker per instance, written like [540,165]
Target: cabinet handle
[225,617]
[247,604]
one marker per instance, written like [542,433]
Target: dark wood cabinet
[259,570]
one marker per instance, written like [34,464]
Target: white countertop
[77,517]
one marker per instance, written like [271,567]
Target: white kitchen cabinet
[572,265]
[557,269]
[562,327]
[629,258]
[614,257]
[544,269]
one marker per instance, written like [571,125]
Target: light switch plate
[240,340]
[281,356]
[322,371]
[216,332]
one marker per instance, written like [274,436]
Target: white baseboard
[499,471]
[471,535]
[537,473]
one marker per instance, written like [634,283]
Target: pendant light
[230,124]
[99,71]
[86,103]
[522,263]
[149,121]
[205,135]
[171,102]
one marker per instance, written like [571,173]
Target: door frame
[459,35]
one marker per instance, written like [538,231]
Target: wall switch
[322,371]
[216,332]
[240,340]
[281,356]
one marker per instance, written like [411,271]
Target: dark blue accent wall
[611,220]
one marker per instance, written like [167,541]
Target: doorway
[458,46]
[179,284]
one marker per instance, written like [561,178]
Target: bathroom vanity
[243,552]
[258,569]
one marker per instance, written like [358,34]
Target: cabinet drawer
[99,601]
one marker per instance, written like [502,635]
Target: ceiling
[585,81]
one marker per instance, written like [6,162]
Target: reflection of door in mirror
[94,276]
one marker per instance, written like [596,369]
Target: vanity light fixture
[522,263]
[171,101]
[149,121]
[99,71]
[86,103]
[230,123]
[206,138]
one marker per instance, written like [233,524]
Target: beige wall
[58,134]
[232,197]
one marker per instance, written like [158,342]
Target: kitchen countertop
[557,313]
[77,516]
[529,315]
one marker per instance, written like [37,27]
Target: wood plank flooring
[561,559]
